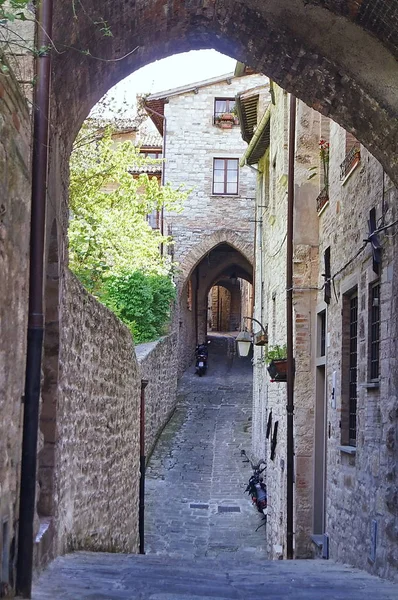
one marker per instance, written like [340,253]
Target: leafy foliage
[277,352]
[113,250]
[142,301]
[11,10]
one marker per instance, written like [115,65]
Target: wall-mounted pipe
[141,515]
[41,111]
[289,337]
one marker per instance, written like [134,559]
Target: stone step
[97,576]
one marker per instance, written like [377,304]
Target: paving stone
[210,555]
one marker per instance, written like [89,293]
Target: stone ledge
[370,385]
[348,450]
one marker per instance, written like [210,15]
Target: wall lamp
[244,339]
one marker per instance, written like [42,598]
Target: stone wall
[14,276]
[192,142]
[158,365]
[362,482]
[344,489]
[97,455]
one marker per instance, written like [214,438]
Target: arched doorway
[221,266]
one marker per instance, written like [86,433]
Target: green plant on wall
[276,352]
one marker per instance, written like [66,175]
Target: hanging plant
[324,148]
[277,367]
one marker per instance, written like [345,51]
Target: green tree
[113,250]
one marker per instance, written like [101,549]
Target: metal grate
[228,509]
[201,506]
[353,370]
[375,332]
[352,158]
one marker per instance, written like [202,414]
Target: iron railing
[353,157]
[322,199]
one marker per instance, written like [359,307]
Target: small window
[349,370]
[225,176]
[322,333]
[152,154]
[223,106]
[374,313]
[328,275]
[153,219]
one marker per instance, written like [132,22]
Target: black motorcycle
[256,486]
[201,357]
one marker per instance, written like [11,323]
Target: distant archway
[210,243]
[220,256]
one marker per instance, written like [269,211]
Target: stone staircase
[89,576]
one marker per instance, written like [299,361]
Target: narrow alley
[201,538]
[196,505]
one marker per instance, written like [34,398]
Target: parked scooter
[201,358]
[256,486]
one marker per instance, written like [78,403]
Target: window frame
[225,182]
[217,114]
[374,332]
[349,368]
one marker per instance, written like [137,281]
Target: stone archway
[209,243]
[218,255]
[338,57]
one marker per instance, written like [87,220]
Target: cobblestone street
[201,542]
[196,505]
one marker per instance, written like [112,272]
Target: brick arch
[306,46]
[210,242]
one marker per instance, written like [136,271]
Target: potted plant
[277,367]
[225,120]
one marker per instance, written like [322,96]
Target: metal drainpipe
[35,316]
[197,307]
[141,517]
[289,332]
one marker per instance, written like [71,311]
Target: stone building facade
[202,142]
[345,418]
[15,186]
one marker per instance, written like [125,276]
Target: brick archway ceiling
[338,56]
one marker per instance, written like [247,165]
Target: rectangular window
[374,311]
[153,219]
[327,286]
[353,370]
[152,154]
[223,106]
[322,333]
[225,176]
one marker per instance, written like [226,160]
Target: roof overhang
[246,107]
[155,110]
[259,142]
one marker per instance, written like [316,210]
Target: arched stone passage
[338,57]
[210,243]
[220,262]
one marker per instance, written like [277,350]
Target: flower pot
[278,369]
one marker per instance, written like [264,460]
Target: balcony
[322,201]
[350,162]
